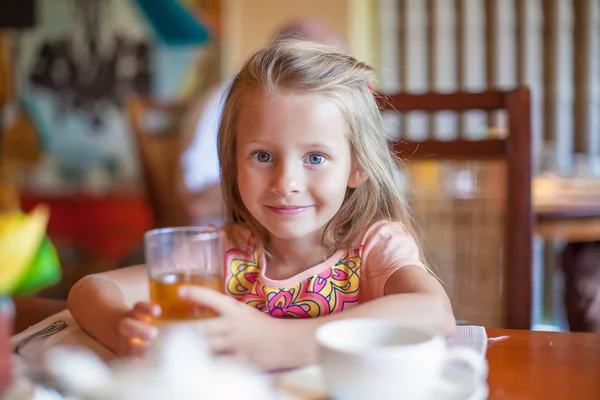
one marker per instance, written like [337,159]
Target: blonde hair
[305,66]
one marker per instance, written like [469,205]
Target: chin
[288,234]
[289,231]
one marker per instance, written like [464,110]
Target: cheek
[242,169]
[247,173]
[246,193]
[242,178]
[330,186]
[248,182]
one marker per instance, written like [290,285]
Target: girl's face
[294,161]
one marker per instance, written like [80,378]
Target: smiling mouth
[288,210]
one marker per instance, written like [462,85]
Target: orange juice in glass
[183,256]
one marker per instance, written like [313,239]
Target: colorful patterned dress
[329,287]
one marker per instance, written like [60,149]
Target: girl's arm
[99,302]
[412,295]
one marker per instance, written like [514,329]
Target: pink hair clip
[370,87]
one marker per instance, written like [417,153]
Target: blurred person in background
[199,185]
[581,267]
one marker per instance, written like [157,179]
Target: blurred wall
[552,46]
[249,25]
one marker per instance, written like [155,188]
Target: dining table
[522,364]
[570,222]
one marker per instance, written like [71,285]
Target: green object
[43,271]
[21,236]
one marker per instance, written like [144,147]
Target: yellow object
[21,236]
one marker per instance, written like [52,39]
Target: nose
[287,179]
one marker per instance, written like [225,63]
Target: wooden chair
[159,149]
[488,274]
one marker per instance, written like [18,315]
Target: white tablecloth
[305,383]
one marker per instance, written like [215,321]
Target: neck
[291,257]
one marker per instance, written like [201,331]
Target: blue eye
[315,159]
[262,156]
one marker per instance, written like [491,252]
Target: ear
[356,178]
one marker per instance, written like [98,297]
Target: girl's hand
[134,329]
[242,331]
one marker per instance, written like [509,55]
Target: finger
[145,311]
[130,328]
[147,307]
[136,346]
[217,335]
[220,345]
[211,299]
[213,327]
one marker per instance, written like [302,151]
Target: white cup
[382,359]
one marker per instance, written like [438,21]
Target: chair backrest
[484,161]
[159,149]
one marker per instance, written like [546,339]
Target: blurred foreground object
[28,261]
[179,366]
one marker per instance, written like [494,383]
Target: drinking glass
[183,256]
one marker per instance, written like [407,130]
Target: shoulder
[386,247]
[390,243]
[384,230]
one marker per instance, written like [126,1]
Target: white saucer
[308,384]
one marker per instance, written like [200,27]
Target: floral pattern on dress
[331,290]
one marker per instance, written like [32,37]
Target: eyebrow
[251,142]
[318,146]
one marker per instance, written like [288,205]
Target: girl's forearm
[97,304]
[425,311]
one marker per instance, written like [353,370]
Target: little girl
[319,227]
